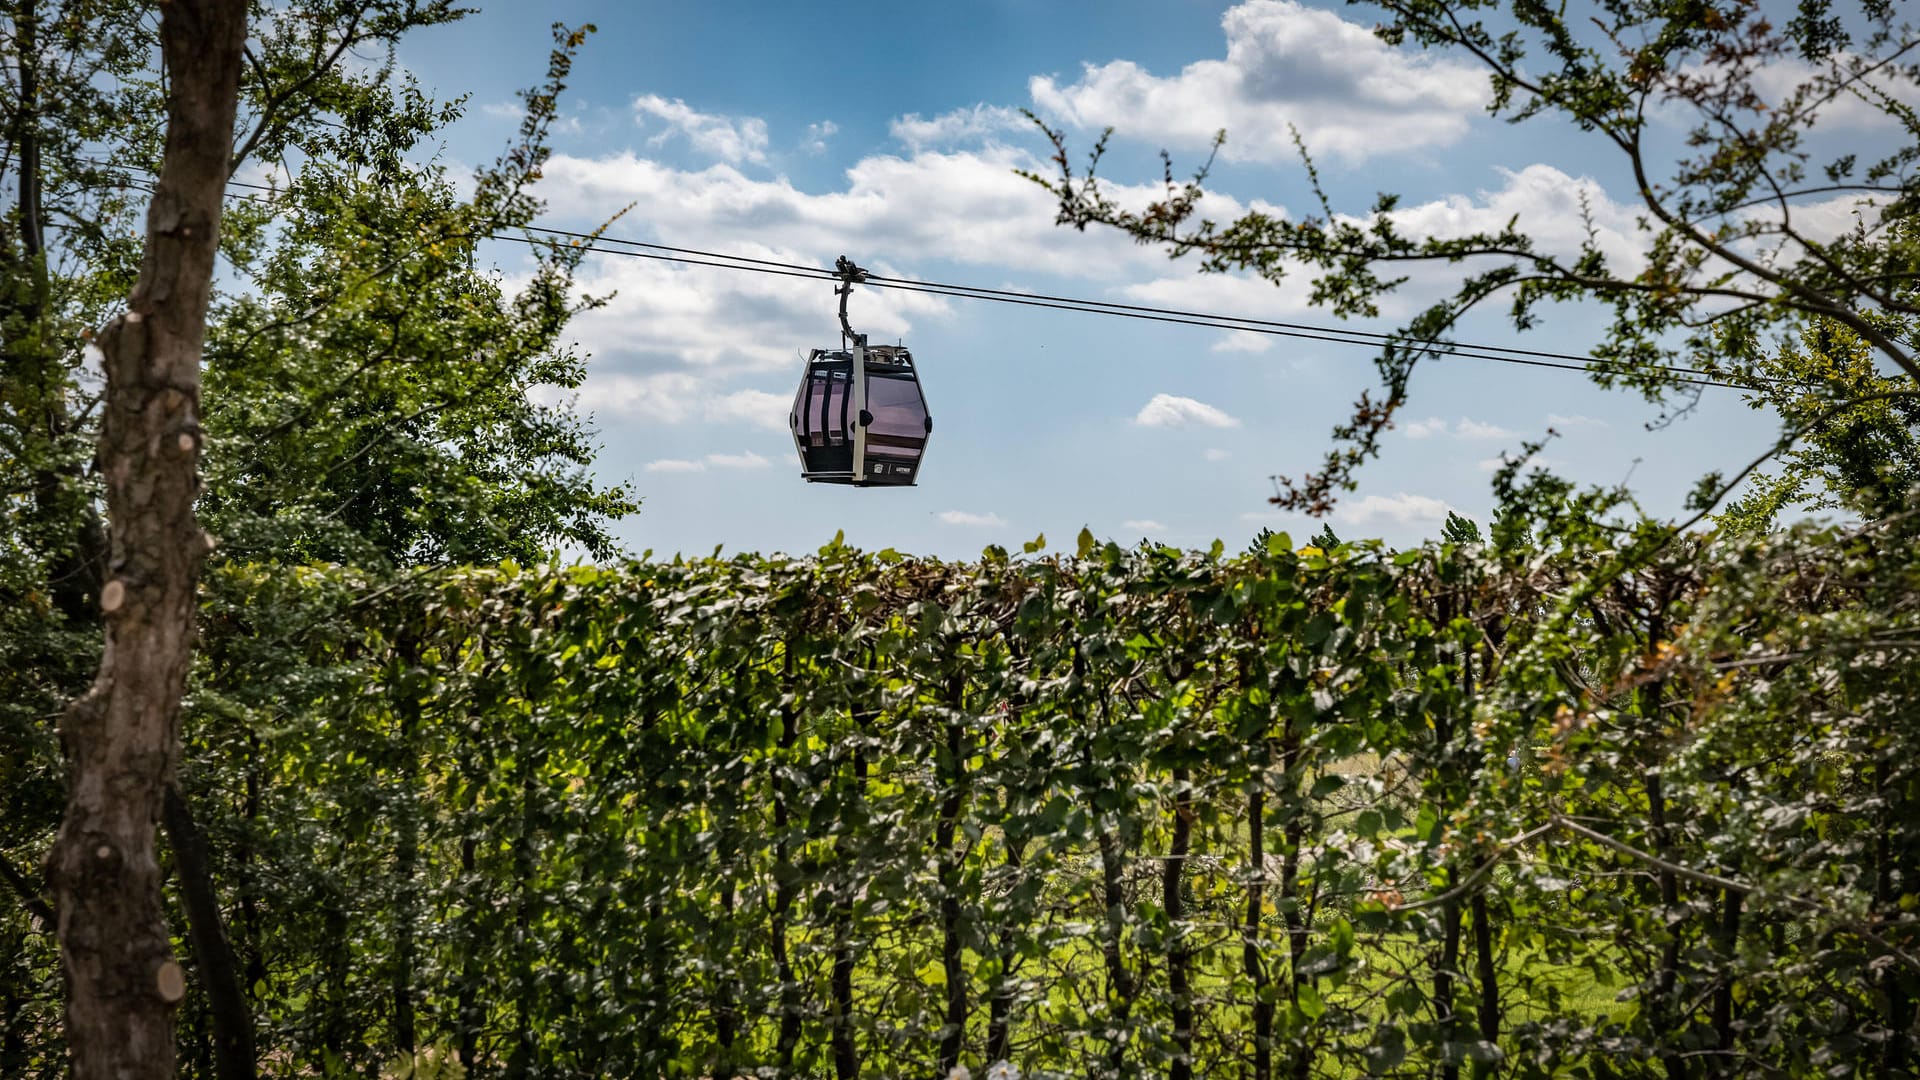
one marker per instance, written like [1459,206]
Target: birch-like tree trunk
[121,738]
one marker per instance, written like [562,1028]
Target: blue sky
[890,133]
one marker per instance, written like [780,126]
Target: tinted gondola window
[822,408]
[835,417]
[899,414]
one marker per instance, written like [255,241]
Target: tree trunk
[1120,985]
[35,370]
[1250,936]
[1293,914]
[470,1014]
[26,138]
[122,736]
[785,892]
[1728,944]
[1443,978]
[846,1053]
[1486,971]
[231,1017]
[1179,950]
[250,923]
[950,860]
[1667,977]
[1893,1053]
[1000,1007]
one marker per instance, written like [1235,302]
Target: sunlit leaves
[619,776]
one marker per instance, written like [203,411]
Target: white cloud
[962,206]
[1780,78]
[756,407]
[1217,454]
[961,125]
[817,136]
[1557,209]
[1166,410]
[678,343]
[1347,92]
[963,517]
[675,465]
[746,460]
[676,397]
[1477,429]
[1243,341]
[1465,428]
[1400,509]
[1244,295]
[1545,203]
[1143,525]
[720,326]
[517,112]
[1819,220]
[1562,422]
[730,139]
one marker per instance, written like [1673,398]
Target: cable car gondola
[859,416]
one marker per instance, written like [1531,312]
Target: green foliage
[1460,530]
[1590,797]
[708,817]
[419,442]
[371,387]
[1723,159]
[1864,459]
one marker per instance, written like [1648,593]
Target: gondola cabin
[859,417]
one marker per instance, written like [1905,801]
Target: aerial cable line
[802,272]
[1505,354]
[1525,357]
[1309,331]
[1300,331]
[1440,350]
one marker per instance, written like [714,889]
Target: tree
[435,429]
[121,736]
[420,445]
[1731,254]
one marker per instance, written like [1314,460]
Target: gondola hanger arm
[849,275]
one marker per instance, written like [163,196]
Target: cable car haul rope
[859,417]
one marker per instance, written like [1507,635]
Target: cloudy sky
[891,133]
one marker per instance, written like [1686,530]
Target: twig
[1467,885]
[1718,882]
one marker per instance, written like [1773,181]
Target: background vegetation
[1582,795]
[1286,813]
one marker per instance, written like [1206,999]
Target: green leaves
[656,810]
[1722,164]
